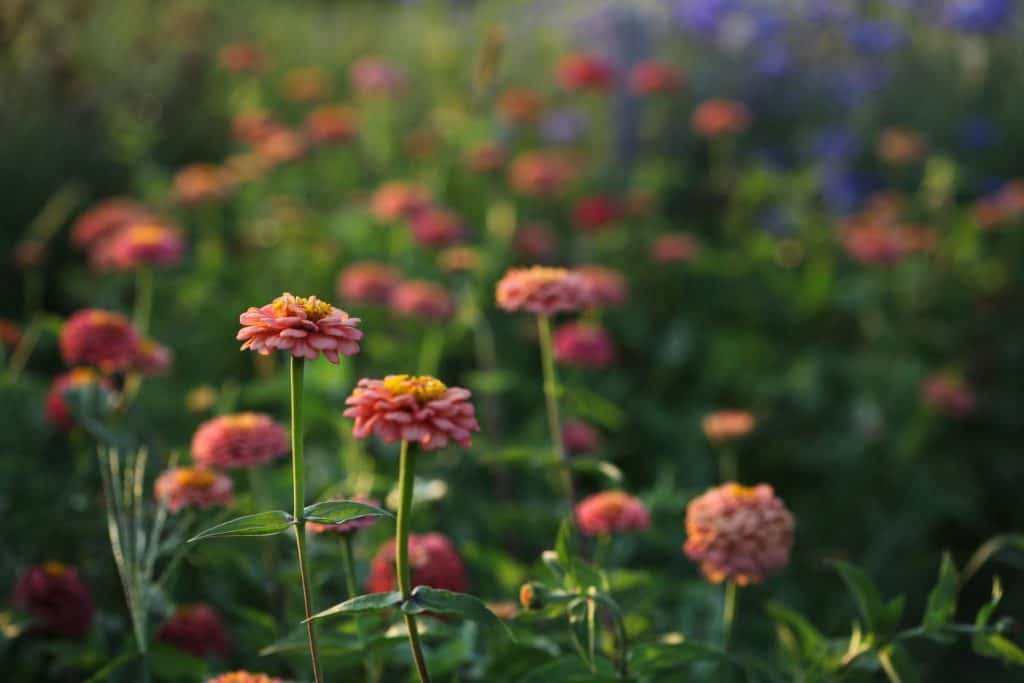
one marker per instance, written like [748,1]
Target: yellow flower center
[195,478]
[243,420]
[315,308]
[743,492]
[148,233]
[53,568]
[421,387]
[81,376]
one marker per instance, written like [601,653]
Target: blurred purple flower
[977,16]
[704,17]
[978,134]
[773,61]
[875,37]
[843,189]
[563,126]
[833,144]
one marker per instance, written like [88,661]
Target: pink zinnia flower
[281,146]
[241,58]
[581,71]
[307,84]
[196,629]
[738,533]
[603,286]
[433,562]
[422,299]
[727,425]
[153,358]
[674,247]
[652,77]
[244,677]
[253,126]
[541,173]
[239,440]
[420,409]
[397,199]
[101,338]
[57,410]
[373,75]
[519,105]
[346,527]
[368,282]
[104,219]
[485,157]
[597,213]
[579,438]
[142,244]
[193,487]
[303,326]
[948,394]
[459,259]
[57,599]
[536,243]
[611,512]
[714,118]
[584,344]
[201,183]
[438,228]
[541,291]
[332,124]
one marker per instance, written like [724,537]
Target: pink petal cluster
[541,290]
[603,287]
[148,243]
[101,338]
[57,410]
[611,512]
[346,527]
[416,409]
[726,425]
[422,299]
[244,677]
[239,440]
[201,183]
[435,227]
[193,487]
[106,218]
[948,394]
[739,533]
[579,438]
[674,247]
[584,344]
[305,327]
[368,282]
[153,358]
[373,75]
[196,629]
[433,561]
[398,199]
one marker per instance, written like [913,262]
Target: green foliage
[268,523]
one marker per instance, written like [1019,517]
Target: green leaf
[173,664]
[647,659]
[569,669]
[897,665]
[341,511]
[371,602]
[988,550]
[942,600]
[879,618]
[595,466]
[563,547]
[989,643]
[811,644]
[427,599]
[266,523]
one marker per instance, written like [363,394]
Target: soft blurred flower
[584,344]
[373,75]
[485,157]
[349,527]
[193,487]
[1001,207]
[419,409]
[10,333]
[900,146]
[873,243]
[303,326]
[29,253]
[368,282]
[738,533]
[55,596]
[201,183]
[536,243]
[949,394]
[603,286]
[541,290]
[57,410]
[105,219]
[652,77]
[421,143]
[331,124]
[305,85]
[611,512]
[101,338]
[674,247]
[201,399]
[519,105]
[459,259]
[253,126]
[727,425]
[244,677]
[542,173]
[563,126]
[153,358]
[196,629]
[978,16]
[398,199]
[582,71]
[433,562]
[596,213]
[422,299]
[148,243]
[435,227]
[871,38]
[281,146]
[239,440]
[241,58]
[715,118]
[579,438]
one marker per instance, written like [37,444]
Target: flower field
[451,340]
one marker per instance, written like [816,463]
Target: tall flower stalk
[406,477]
[551,391]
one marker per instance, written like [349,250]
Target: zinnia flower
[584,344]
[193,487]
[142,244]
[373,75]
[485,157]
[346,527]
[397,199]
[519,105]
[542,173]
[10,333]
[239,440]
[253,127]
[303,326]
[104,219]
[579,437]
[368,282]
[541,291]
[239,58]
[200,184]
[652,77]
[196,629]
[328,125]
[611,512]
[459,259]
[304,85]
[900,146]
[726,425]
[422,299]
[56,598]
[535,243]
[101,338]
[581,71]
[738,533]
[57,410]
[244,677]
[674,247]
[596,214]
[433,562]
[438,228]
[153,358]
[420,409]
[949,394]
[1001,207]
[603,286]
[281,146]
[714,118]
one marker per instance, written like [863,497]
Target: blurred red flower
[584,344]
[196,629]
[239,440]
[57,599]
[611,512]
[582,71]
[433,562]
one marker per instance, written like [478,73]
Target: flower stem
[406,468]
[728,468]
[352,591]
[298,505]
[551,399]
[143,298]
[728,612]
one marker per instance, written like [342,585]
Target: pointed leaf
[942,599]
[647,659]
[427,599]
[563,548]
[266,523]
[341,511]
[811,643]
[869,600]
[371,602]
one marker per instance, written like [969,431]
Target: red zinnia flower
[397,199]
[422,299]
[603,286]
[541,291]
[437,228]
[714,118]
[581,71]
[196,629]
[433,562]
[193,487]
[101,338]
[57,598]
[303,326]
[239,440]
[57,410]
[368,282]
[346,527]
[595,214]
[326,125]
[611,512]
[584,344]
[652,77]
[579,438]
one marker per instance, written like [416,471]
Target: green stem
[728,468]
[592,633]
[143,298]
[406,468]
[352,591]
[298,505]
[551,399]
[728,612]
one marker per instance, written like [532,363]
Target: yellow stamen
[195,478]
[741,491]
[148,233]
[243,420]
[53,568]
[421,387]
[315,308]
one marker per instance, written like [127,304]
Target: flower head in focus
[303,326]
[57,599]
[422,299]
[611,512]
[418,409]
[541,291]
[349,527]
[433,562]
[584,344]
[100,338]
[728,425]
[715,118]
[239,440]
[193,487]
[738,533]
[368,282]
[196,629]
